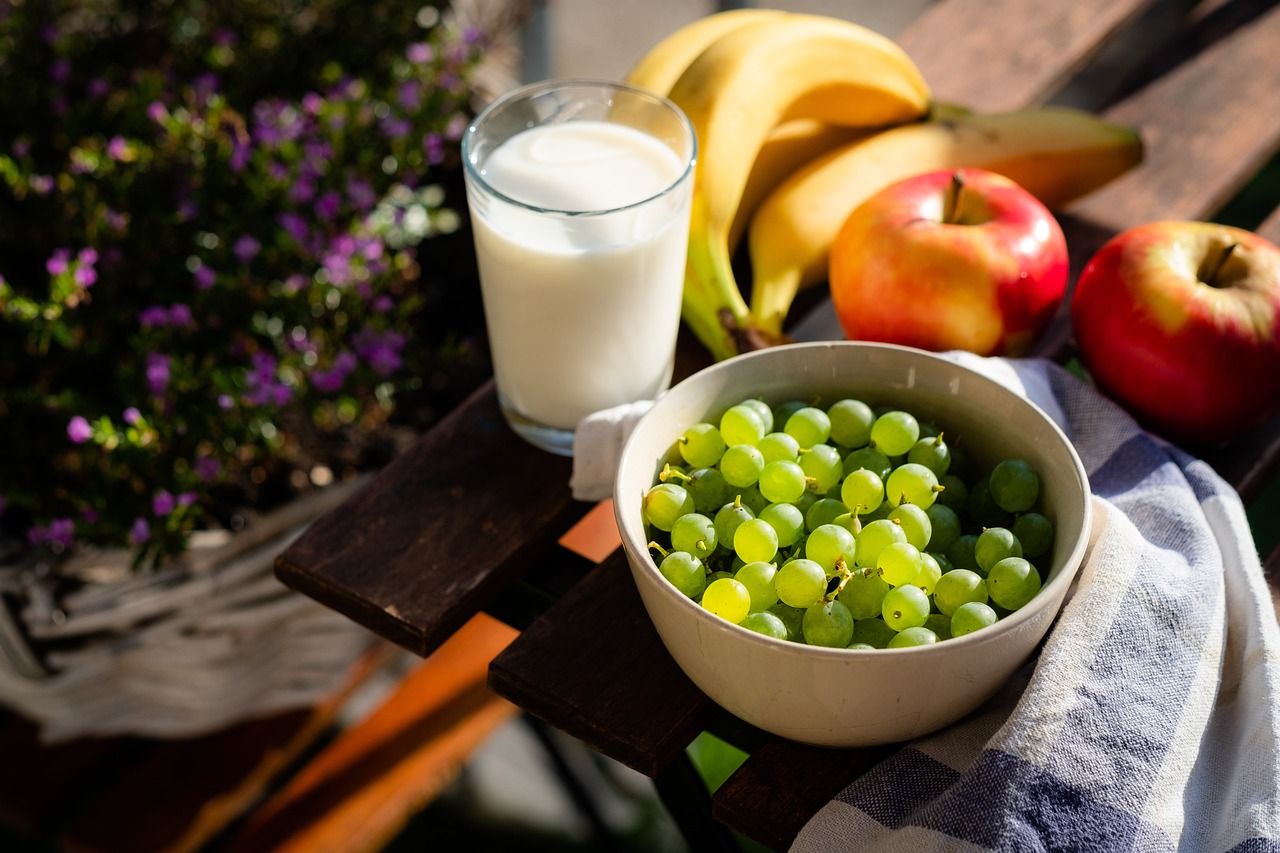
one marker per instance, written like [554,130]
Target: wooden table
[471,517]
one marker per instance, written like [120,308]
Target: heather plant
[207,234]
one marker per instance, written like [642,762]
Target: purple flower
[87,255]
[409,95]
[455,128]
[225,402]
[205,85]
[328,381]
[187,210]
[360,194]
[295,226]
[157,112]
[338,267]
[383,304]
[153,316]
[78,430]
[205,277]
[115,220]
[277,171]
[396,128]
[180,315]
[312,103]
[157,373]
[163,503]
[318,154]
[21,147]
[132,416]
[58,262]
[239,156]
[98,88]
[246,248]
[140,532]
[40,184]
[294,284]
[117,148]
[328,205]
[62,532]
[433,145]
[302,191]
[472,36]
[207,468]
[186,498]
[86,276]
[380,349]
[420,53]
[60,70]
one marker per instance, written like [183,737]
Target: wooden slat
[361,789]
[421,549]
[593,666]
[771,797]
[996,55]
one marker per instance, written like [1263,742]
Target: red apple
[1180,321]
[961,259]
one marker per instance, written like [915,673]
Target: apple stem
[952,203]
[1211,278]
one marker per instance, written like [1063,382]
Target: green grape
[915,523]
[727,599]
[993,545]
[1014,485]
[829,544]
[786,521]
[848,521]
[807,500]
[911,637]
[694,533]
[720,575]
[954,494]
[783,412]
[962,464]
[685,572]
[862,647]
[782,482]
[961,552]
[905,607]
[983,509]
[809,426]
[752,499]
[863,593]
[945,526]
[862,491]
[894,433]
[873,633]
[765,623]
[939,625]
[970,617]
[730,516]
[708,489]
[874,538]
[1035,532]
[741,425]
[871,459]
[701,445]
[850,423]
[822,467]
[778,447]
[823,511]
[828,624]
[741,465]
[758,579]
[1013,582]
[792,618]
[913,484]
[957,587]
[930,573]
[664,503]
[932,453]
[942,561]
[755,540]
[800,583]
[878,514]
[899,563]
[761,408]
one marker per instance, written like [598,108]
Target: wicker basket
[94,648]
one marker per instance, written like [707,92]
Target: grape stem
[842,570]
[663,551]
[669,473]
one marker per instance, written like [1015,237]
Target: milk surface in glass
[582,310]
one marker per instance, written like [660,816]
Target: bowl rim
[636,546]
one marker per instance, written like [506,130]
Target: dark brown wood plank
[998,55]
[771,797]
[593,666]
[1209,126]
[424,546]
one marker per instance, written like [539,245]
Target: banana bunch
[799,119]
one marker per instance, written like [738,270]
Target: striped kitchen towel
[1151,718]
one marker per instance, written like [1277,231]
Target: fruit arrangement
[800,118]
[844,527]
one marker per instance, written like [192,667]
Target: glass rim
[472,172]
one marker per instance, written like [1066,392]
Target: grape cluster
[848,527]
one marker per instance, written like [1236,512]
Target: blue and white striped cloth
[1150,720]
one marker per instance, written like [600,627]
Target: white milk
[582,311]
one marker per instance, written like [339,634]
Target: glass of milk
[579,195]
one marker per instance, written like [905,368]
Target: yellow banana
[735,92]
[1057,154]
[667,60]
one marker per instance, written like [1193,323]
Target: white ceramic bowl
[842,697]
